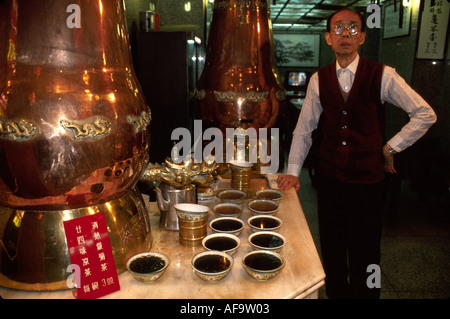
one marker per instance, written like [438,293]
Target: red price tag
[91,256]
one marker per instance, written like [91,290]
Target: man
[348,97]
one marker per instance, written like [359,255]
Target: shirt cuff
[293,169]
[394,143]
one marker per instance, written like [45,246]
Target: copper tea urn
[240,85]
[73,136]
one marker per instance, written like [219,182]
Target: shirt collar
[351,67]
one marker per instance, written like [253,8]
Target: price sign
[91,255]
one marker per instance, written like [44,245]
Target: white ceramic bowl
[227,225]
[263,207]
[226,243]
[269,193]
[256,264]
[154,269]
[267,240]
[208,274]
[232,196]
[264,223]
[227,209]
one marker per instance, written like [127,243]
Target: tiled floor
[415,247]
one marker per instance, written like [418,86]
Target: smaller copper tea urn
[239,85]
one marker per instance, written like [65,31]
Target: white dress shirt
[394,90]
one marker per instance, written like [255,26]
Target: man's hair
[363,25]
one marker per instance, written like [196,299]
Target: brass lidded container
[73,136]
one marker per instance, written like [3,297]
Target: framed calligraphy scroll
[433,29]
[397,21]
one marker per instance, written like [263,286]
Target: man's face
[345,43]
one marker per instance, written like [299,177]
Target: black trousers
[350,231]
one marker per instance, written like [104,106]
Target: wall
[443,103]
[173,15]
[398,53]
[426,163]
[132,9]
[430,80]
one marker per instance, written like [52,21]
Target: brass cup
[192,232]
[240,176]
[192,223]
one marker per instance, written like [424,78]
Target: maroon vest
[352,129]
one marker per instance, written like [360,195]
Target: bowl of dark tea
[264,223]
[263,207]
[227,210]
[263,265]
[267,240]
[212,266]
[232,196]
[226,243]
[227,225]
[147,267]
[269,193]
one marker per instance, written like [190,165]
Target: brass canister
[192,232]
[240,177]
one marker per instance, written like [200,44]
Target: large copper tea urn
[239,85]
[73,136]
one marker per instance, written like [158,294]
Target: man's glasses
[352,29]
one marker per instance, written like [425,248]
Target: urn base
[33,248]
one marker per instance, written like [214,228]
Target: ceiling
[308,15]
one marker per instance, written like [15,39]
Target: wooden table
[302,276]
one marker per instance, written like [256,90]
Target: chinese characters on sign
[433,29]
[90,249]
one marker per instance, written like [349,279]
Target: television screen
[297,78]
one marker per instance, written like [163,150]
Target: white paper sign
[433,29]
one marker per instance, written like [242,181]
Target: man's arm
[302,139]
[397,92]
